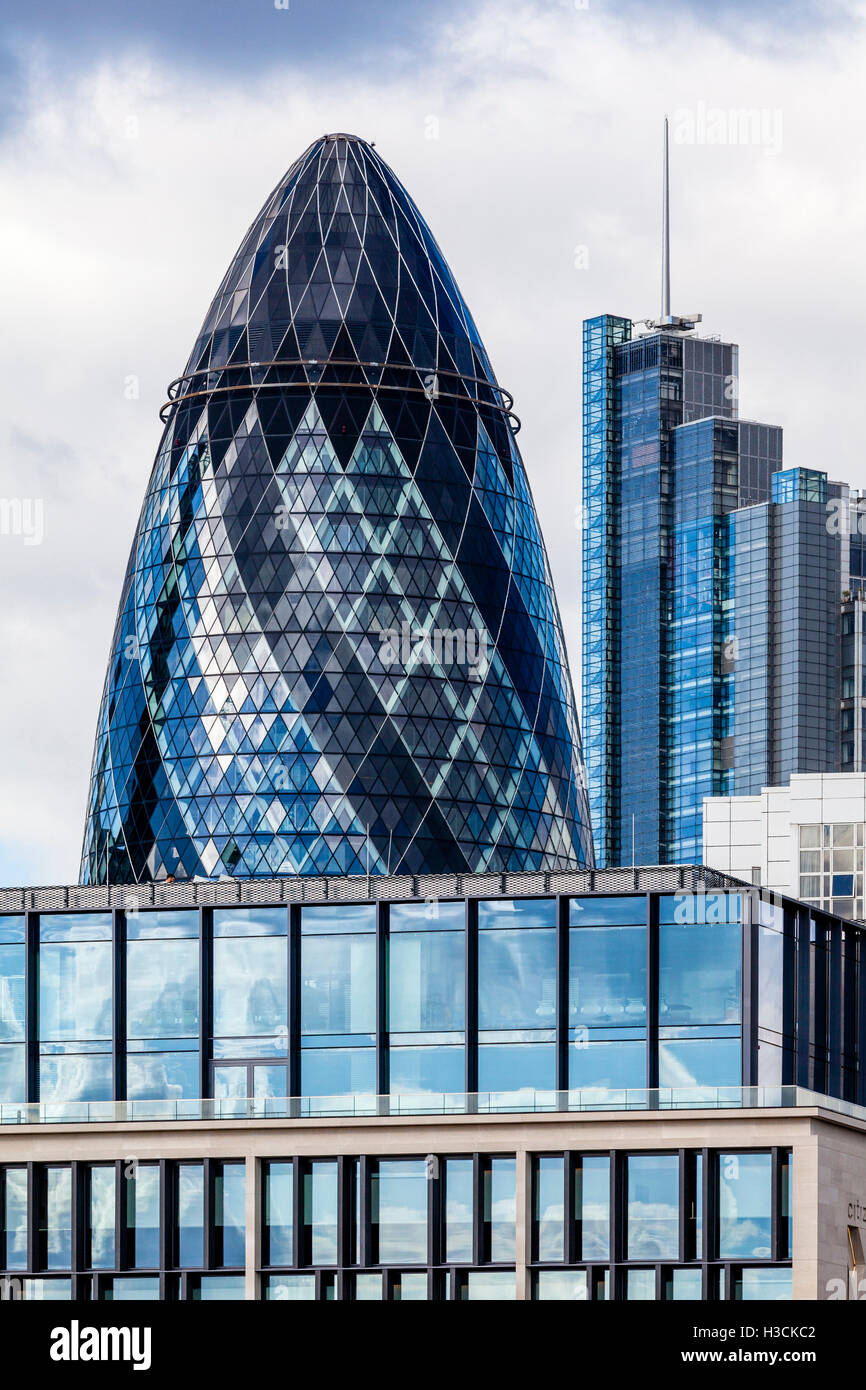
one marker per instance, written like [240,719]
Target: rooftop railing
[445,1104]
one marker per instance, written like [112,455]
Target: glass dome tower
[337,649]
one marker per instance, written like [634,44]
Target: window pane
[562,1284]
[162,1075]
[230,1214]
[500,1208]
[75,1077]
[700,1062]
[279,1214]
[338,987]
[368,1287]
[607,1066]
[758,1284]
[75,991]
[132,1288]
[745,1205]
[516,1066]
[402,1211]
[641,1284]
[162,989]
[700,973]
[56,1222]
[190,1214]
[102,1217]
[607,977]
[426,982]
[550,1207]
[142,1216]
[251,988]
[427,1070]
[459,1207]
[291,1287]
[592,1207]
[488,1285]
[653,1207]
[215,1288]
[15,1218]
[47,1290]
[13,1076]
[339,1071]
[516,979]
[320,1212]
[12,993]
[683,1285]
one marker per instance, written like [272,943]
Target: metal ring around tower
[176,394]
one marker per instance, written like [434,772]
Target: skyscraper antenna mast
[675,323]
[666,233]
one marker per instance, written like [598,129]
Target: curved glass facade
[338,648]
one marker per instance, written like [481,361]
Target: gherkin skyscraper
[337,648]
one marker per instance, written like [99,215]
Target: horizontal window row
[410,998]
[685,1207]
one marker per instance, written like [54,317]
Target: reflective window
[550,1207]
[14,1245]
[700,969]
[693,1062]
[516,1066]
[279,1214]
[607,1066]
[75,1002]
[230,1222]
[55,1218]
[488,1285]
[101,1222]
[250,988]
[142,1216]
[607,976]
[653,1207]
[291,1287]
[368,1288]
[640,1284]
[759,1284]
[13,1083]
[218,1288]
[426,1070]
[48,1290]
[339,1071]
[683,1285]
[500,1208]
[190,1215]
[516,974]
[162,1005]
[562,1285]
[426,967]
[409,1286]
[592,1206]
[132,1288]
[338,970]
[459,1208]
[745,1205]
[320,1212]
[399,1210]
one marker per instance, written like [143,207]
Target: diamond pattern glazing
[338,482]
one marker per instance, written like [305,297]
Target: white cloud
[126,189]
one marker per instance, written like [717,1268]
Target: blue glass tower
[338,648]
[666,463]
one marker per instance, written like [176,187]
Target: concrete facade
[829,1163]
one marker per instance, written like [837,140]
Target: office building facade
[337,648]
[581,1086]
[713,589]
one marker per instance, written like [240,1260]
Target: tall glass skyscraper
[338,648]
[711,590]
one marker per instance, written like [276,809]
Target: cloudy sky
[138,141]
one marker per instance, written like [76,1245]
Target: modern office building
[718,592]
[337,648]
[805,839]
[590,1085]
